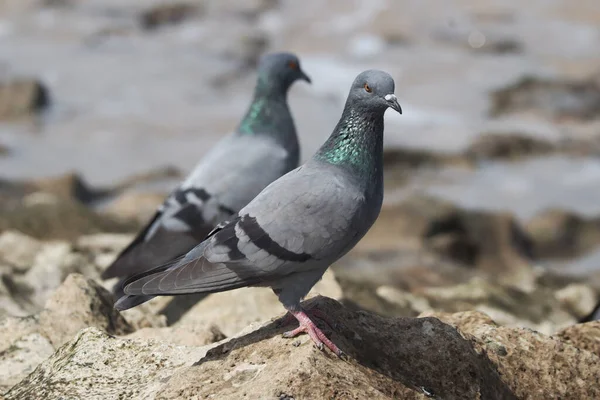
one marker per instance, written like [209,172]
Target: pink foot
[309,327]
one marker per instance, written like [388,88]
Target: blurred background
[492,173]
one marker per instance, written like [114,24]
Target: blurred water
[528,187]
[126,100]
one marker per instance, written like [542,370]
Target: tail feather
[129,301]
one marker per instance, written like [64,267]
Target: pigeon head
[280,70]
[374,90]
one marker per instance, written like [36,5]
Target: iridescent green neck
[269,99]
[356,143]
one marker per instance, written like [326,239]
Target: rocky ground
[472,283]
[456,308]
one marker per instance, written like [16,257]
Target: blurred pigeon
[300,224]
[263,148]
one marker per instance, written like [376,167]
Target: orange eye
[368,88]
[293,65]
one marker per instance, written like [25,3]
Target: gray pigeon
[300,224]
[263,148]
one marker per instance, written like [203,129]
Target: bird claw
[317,336]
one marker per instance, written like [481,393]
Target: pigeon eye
[293,65]
[368,88]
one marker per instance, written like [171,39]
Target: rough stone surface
[59,220]
[22,348]
[183,335]
[135,206]
[537,309]
[557,99]
[577,298]
[532,364]
[18,250]
[583,336]
[492,242]
[562,234]
[70,186]
[509,147]
[388,358]
[22,357]
[424,241]
[51,265]
[167,14]
[97,365]
[79,303]
[27,341]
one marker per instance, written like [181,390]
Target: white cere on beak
[390,97]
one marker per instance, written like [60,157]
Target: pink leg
[309,327]
[312,312]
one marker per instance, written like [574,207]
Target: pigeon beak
[393,102]
[304,77]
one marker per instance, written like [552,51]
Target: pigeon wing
[301,221]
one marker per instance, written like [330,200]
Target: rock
[61,220]
[389,302]
[386,25]
[509,147]
[102,248]
[407,158]
[27,341]
[20,97]
[248,48]
[403,299]
[36,268]
[8,303]
[494,243]
[234,310]
[466,321]
[137,206]
[578,299]
[188,335]
[52,264]
[148,315]
[22,357]
[501,46]
[594,315]
[400,163]
[531,364]
[103,242]
[70,186]
[509,306]
[404,223]
[579,100]
[79,303]
[155,175]
[167,14]
[583,336]
[18,250]
[97,365]
[562,234]
[409,268]
[388,358]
